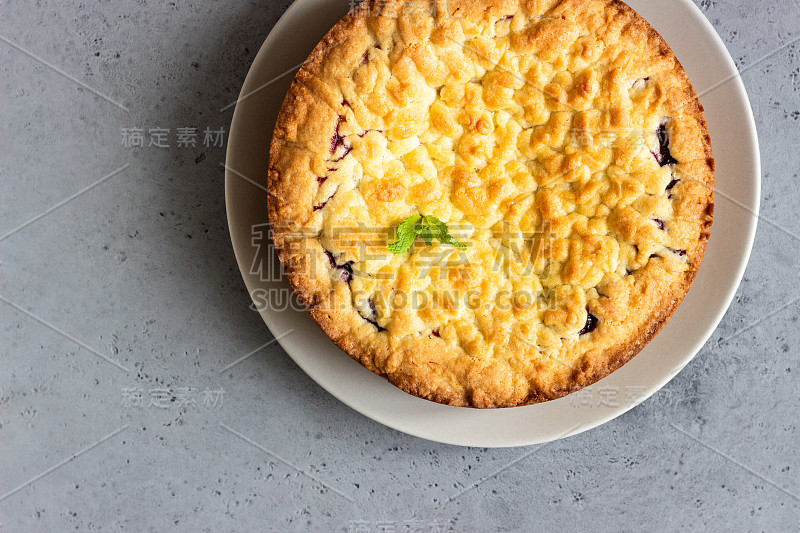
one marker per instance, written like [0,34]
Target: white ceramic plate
[735,145]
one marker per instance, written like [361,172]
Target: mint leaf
[448,239]
[442,233]
[425,232]
[406,233]
[428,228]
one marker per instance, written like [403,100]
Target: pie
[560,142]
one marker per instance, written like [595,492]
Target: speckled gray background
[139,269]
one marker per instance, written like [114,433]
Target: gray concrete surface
[139,269]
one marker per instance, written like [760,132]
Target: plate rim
[414,427]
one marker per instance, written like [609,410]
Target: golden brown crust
[562,137]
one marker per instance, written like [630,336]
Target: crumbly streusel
[560,140]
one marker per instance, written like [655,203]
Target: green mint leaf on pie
[448,239]
[425,232]
[428,228]
[441,232]
[406,233]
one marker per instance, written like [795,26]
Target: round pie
[552,160]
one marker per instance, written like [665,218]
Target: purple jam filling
[347,150]
[373,318]
[673,250]
[347,271]
[670,185]
[659,223]
[346,268]
[320,206]
[591,323]
[663,156]
[337,140]
[367,131]
[331,260]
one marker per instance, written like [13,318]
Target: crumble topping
[561,141]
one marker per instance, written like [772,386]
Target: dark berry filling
[347,271]
[670,185]
[320,206]
[347,150]
[373,318]
[663,157]
[435,333]
[591,323]
[507,17]
[673,250]
[374,324]
[659,223]
[331,260]
[365,57]
[346,268]
[321,179]
[338,140]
